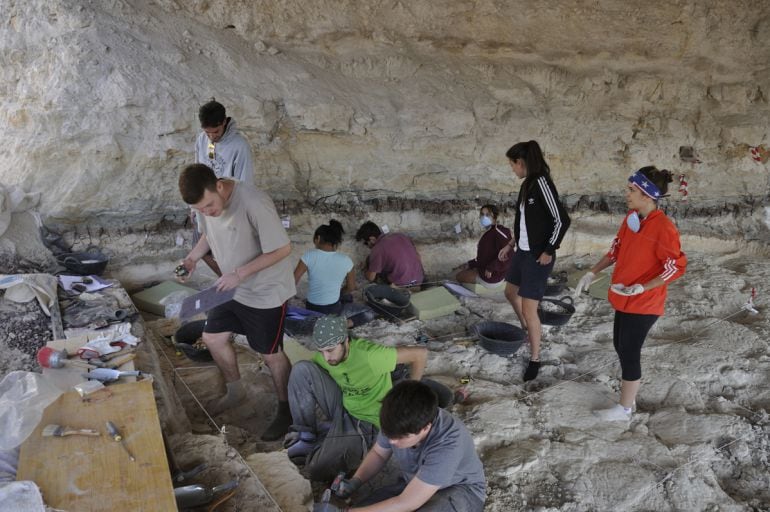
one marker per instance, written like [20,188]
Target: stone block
[433,303]
[150,299]
[483,290]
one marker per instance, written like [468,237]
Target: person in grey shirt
[440,469]
[221,147]
[240,226]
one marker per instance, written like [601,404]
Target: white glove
[628,291]
[584,284]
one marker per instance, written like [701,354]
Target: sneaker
[533,368]
[615,413]
[302,446]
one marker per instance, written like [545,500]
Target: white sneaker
[615,413]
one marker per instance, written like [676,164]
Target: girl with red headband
[647,255]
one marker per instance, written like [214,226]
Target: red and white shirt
[654,251]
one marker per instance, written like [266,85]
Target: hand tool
[59,431]
[48,357]
[109,374]
[119,361]
[195,495]
[114,433]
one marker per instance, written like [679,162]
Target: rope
[596,368]
[219,429]
[669,475]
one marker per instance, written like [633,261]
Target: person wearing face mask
[647,255]
[487,269]
[540,225]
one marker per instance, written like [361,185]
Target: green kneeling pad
[433,303]
[149,298]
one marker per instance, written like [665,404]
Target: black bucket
[556,283]
[92,261]
[392,302]
[555,311]
[499,337]
[185,338]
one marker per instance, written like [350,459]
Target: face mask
[633,222]
[485,221]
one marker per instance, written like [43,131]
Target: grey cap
[329,331]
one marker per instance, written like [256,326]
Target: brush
[59,431]
[51,358]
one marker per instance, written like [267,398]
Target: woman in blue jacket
[540,224]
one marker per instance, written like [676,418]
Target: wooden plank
[86,473]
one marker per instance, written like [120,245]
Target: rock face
[362,100]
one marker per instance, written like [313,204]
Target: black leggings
[628,335]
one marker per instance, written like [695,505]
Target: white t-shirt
[523,238]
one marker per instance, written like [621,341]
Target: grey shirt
[248,227]
[230,157]
[445,458]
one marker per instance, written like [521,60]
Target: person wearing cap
[393,257]
[647,255]
[439,467]
[346,380]
[222,147]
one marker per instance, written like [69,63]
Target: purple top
[395,258]
[494,239]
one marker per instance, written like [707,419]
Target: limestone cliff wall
[354,101]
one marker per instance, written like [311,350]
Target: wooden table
[94,473]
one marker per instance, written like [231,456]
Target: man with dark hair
[346,380]
[222,147]
[393,256]
[440,470]
[240,226]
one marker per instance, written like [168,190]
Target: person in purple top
[487,269]
[393,257]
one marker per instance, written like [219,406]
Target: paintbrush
[59,431]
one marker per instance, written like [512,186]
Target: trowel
[190,496]
[109,375]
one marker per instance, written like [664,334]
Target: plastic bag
[23,398]
[173,303]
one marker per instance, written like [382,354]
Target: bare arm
[370,276]
[350,281]
[374,461]
[194,256]
[415,357]
[233,279]
[654,283]
[264,260]
[299,271]
[602,264]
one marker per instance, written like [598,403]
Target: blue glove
[345,488]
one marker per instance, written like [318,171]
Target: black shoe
[532,370]
[280,425]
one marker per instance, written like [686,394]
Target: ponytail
[534,161]
[330,233]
